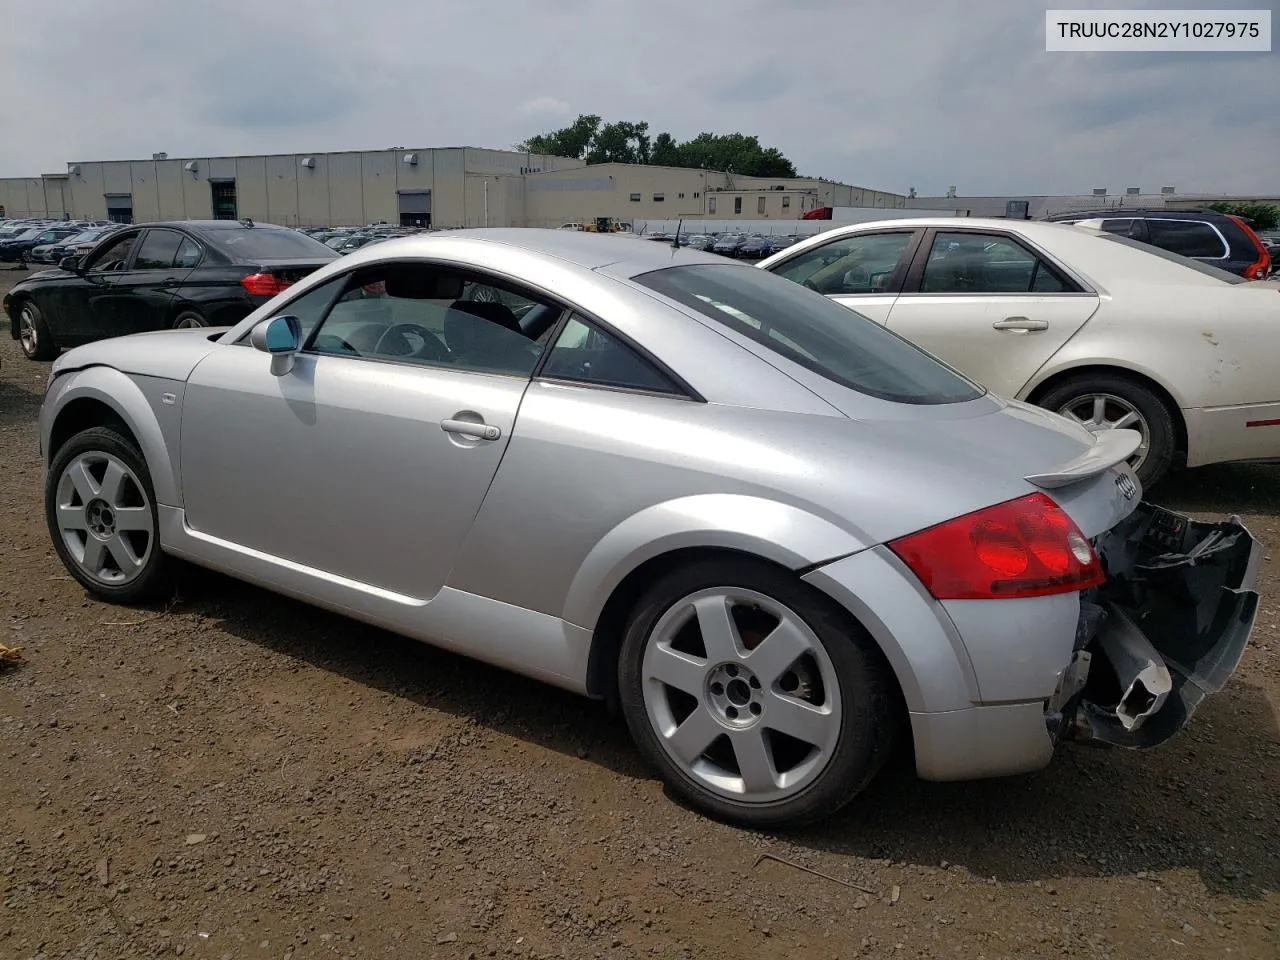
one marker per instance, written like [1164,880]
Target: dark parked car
[780,243]
[728,245]
[754,248]
[18,248]
[159,275]
[1218,239]
[76,245]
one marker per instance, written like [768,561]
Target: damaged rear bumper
[1167,629]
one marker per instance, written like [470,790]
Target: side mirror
[70,264]
[282,338]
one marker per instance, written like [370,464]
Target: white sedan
[1100,328]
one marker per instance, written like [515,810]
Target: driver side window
[412,312]
[114,257]
[850,265]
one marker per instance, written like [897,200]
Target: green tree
[589,138]
[1263,216]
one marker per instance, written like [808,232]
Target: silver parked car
[775,534]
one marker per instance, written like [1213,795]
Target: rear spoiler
[1109,448]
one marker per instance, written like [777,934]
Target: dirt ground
[238,775]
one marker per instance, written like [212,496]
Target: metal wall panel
[197,200]
[282,190]
[448,199]
[251,188]
[313,191]
[169,189]
[378,186]
[146,195]
[346,189]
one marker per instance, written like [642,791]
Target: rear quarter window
[805,327]
[1191,238]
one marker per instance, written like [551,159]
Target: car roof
[579,247]
[1031,228]
[1129,212]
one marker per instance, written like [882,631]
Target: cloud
[880,94]
[543,107]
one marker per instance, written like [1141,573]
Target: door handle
[1021,325]
[170,282]
[469,428]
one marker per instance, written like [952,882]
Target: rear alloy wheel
[756,696]
[33,334]
[188,319]
[101,512]
[1107,402]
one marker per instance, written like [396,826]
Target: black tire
[189,318]
[43,346]
[1161,427]
[869,713]
[154,579]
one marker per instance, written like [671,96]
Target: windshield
[265,243]
[1196,265]
[819,334]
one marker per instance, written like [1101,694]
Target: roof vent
[1167,190]
[1099,191]
[1133,191]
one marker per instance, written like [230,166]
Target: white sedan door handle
[469,428]
[1021,325]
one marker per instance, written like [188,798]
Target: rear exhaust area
[1167,629]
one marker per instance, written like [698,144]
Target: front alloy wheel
[102,516]
[758,699]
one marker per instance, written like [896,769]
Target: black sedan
[193,273]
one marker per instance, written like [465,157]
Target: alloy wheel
[104,518]
[1099,412]
[741,694]
[28,334]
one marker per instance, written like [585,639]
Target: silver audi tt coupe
[778,537]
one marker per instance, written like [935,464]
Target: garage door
[415,208]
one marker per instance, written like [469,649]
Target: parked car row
[740,246]
[345,240]
[21,239]
[191,273]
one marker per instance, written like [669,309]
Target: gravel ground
[238,775]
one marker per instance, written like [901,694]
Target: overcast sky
[887,95]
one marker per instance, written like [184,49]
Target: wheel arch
[649,543]
[610,627]
[14,302]
[1039,388]
[102,396]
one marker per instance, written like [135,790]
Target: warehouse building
[448,187]
[453,187]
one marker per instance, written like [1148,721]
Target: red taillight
[1259,269]
[264,284]
[1027,547]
